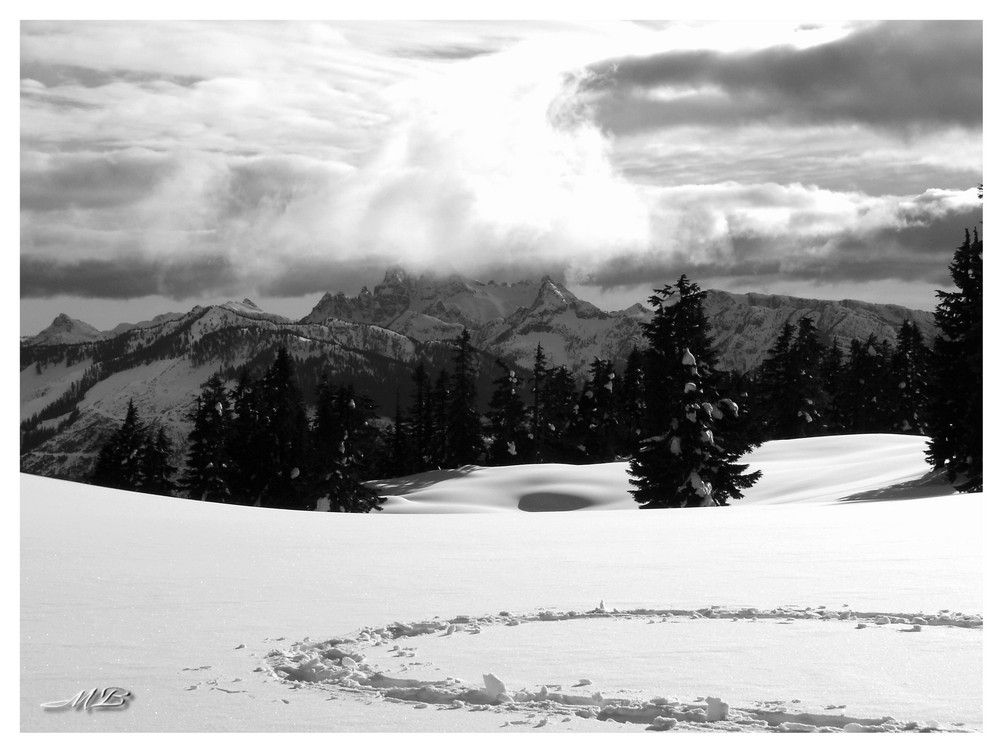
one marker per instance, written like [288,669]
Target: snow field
[181,602]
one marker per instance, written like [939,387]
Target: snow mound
[823,470]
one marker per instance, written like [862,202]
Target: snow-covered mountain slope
[82,390]
[808,470]
[190,605]
[571,331]
[373,340]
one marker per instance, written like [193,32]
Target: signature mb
[112,697]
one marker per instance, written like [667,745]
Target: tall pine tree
[208,469]
[119,462]
[465,431]
[909,372]
[955,411]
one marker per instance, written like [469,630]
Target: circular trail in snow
[786,669]
[808,665]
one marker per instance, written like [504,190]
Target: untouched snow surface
[809,617]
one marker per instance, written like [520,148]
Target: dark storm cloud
[920,252]
[127,278]
[318,275]
[91,180]
[897,74]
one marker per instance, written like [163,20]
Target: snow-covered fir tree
[537,435]
[508,418]
[866,394]
[342,438]
[955,409]
[791,396]
[597,417]
[686,458]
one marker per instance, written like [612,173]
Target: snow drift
[808,470]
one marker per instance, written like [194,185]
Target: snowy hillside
[797,616]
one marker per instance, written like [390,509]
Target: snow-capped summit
[66,330]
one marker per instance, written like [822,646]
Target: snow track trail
[414,663]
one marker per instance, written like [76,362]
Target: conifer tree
[208,468]
[631,404]
[465,431]
[538,405]
[119,462]
[955,409]
[597,416]
[440,441]
[420,419]
[775,382]
[248,442]
[866,393]
[285,424]
[398,451]
[806,394]
[909,372]
[343,438]
[156,467]
[831,375]
[508,420]
[559,416]
[686,457]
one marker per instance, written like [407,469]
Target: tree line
[681,422]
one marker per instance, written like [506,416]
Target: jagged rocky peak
[247,302]
[553,295]
[396,276]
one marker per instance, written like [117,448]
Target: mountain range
[76,380]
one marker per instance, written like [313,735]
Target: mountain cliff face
[76,380]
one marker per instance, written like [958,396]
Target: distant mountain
[76,380]
[65,330]
[745,326]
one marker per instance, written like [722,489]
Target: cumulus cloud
[293,159]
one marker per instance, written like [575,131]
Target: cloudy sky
[167,164]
